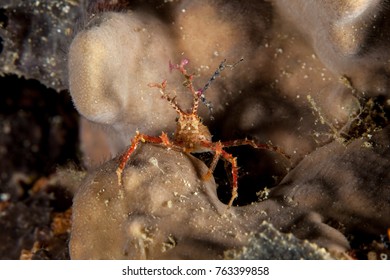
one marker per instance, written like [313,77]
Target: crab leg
[217,148]
[255,145]
[134,144]
[219,151]
[233,162]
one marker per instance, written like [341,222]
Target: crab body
[191,133]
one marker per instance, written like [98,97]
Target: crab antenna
[217,72]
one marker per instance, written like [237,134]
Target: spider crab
[191,135]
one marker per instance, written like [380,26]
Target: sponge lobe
[108,64]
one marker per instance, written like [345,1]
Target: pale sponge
[109,63]
[162,211]
[349,37]
[165,211]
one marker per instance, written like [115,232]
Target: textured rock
[35,36]
[269,243]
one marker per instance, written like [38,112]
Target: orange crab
[191,135]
